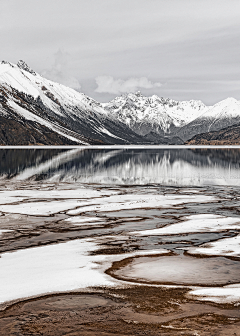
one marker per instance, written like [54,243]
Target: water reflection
[124,166]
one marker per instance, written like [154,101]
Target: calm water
[124,166]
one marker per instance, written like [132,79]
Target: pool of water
[182,270]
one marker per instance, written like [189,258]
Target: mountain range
[37,111]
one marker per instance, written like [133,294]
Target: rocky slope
[37,111]
[153,114]
[226,136]
[217,117]
[169,118]
[34,110]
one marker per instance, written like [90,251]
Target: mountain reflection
[124,166]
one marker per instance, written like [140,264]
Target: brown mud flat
[136,310]
[132,310]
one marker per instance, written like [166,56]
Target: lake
[140,238]
[193,167]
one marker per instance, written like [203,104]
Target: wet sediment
[132,309]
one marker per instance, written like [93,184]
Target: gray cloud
[117,86]
[172,41]
[59,71]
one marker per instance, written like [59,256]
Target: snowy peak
[158,114]
[23,65]
[27,96]
[69,116]
[221,115]
[227,108]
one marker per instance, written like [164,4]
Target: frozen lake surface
[182,270]
[71,218]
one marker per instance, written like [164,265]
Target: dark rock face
[53,114]
[157,139]
[201,126]
[226,136]
[23,65]
[13,132]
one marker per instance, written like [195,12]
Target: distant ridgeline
[37,111]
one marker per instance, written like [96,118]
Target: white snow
[130,109]
[104,130]
[195,223]
[131,201]
[154,111]
[224,247]
[87,200]
[227,108]
[79,220]
[3,231]
[12,196]
[56,268]
[40,208]
[189,191]
[33,117]
[36,85]
[226,294]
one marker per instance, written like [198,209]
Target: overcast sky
[182,49]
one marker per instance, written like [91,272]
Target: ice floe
[131,201]
[56,268]
[3,231]
[224,247]
[12,196]
[69,199]
[195,223]
[226,294]
[78,220]
[40,208]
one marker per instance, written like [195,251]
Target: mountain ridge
[40,107]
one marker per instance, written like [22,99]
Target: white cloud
[59,71]
[117,86]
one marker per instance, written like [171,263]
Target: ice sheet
[40,208]
[226,294]
[11,196]
[56,268]
[70,199]
[183,270]
[194,224]
[3,231]
[79,220]
[224,247]
[123,202]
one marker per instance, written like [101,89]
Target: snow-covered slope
[27,97]
[219,116]
[146,114]
[35,110]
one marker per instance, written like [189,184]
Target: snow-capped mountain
[35,110]
[33,105]
[154,114]
[223,114]
[167,117]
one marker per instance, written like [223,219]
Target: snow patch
[195,223]
[123,202]
[56,268]
[229,247]
[226,294]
